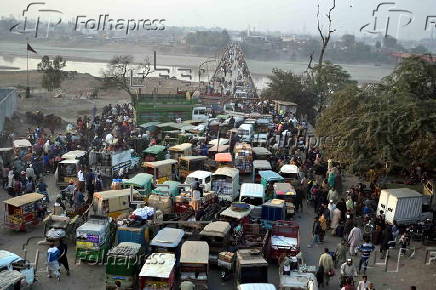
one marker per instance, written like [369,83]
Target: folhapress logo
[40,21]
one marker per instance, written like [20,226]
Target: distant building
[8,104]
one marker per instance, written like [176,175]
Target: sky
[287,16]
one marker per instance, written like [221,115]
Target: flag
[29,48]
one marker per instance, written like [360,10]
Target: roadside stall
[217,235]
[168,240]
[15,268]
[287,193]
[291,174]
[123,265]
[189,164]
[224,159]
[154,153]
[261,153]
[254,195]
[260,165]
[194,263]
[180,150]
[111,203]
[94,239]
[251,267]
[268,178]
[161,170]
[225,183]
[282,240]
[20,211]
[158,272]
[243,158]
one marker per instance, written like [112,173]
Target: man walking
[53,254]
[63,256]
[355,239]
[326,261]
[365,249]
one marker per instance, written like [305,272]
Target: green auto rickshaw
[141,182]
[267,179]
[155,153]
[123,264]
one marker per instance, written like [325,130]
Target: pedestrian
[336,218]
[348,271]
[355,239]
[341,252]
[386,238]
[365,249]
[53,254]
[326,261]
[395,231]
[323,223]
[90,184]
[320,276]
[316,228]
[364,283]
[63,255]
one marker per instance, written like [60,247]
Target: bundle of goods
[143,213]
[163,203]
[55,234]
[116,184]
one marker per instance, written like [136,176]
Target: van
[403,205]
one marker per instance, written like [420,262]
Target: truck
[109,163]
[403,205]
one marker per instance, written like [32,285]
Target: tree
[386,123]
[290,87]
[121,68]
[52,72]
[327,79]
[325,36]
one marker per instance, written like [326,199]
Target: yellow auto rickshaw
[162,170]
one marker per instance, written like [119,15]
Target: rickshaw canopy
[157,164]
[181,147]
[227,171]
[238,215]
[194,252]
[139,180]
[170,125]
[257,286]
[155,149]
[222,141]
[74,154]
[6,258]
[19,201]
[223,157]
[262,164]
[200,174]
[284,189]
[21,143]
[173,187]
[108,194]
[148,125]
[159,265]
[221,148]
[193,158]
[269,175]
[252,190]
[261,151]
[168,238]
[216,229]
[289,168]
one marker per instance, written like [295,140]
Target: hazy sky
[297,16]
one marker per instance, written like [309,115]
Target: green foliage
[52,70]
[392,122]
[290,87]
[208,39]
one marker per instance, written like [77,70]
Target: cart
[282,240]
[20,211]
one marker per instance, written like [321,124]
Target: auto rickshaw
[170,187]
[154,153]
[94,239]
[16,270]
[243,158]
[189,164]
[268,178]
[217,149]
[224,159]
[22,147]
[141,182]
[158,272]
[20,211]
[162,197]
[123,265]
[286,192]
[66,172]
[111,203]
[168,240]
[180,150]
[216,234]
[261,153]
[161,170]
[254,195]
[194,263]
[251,267]
[291,174]
[260,165]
